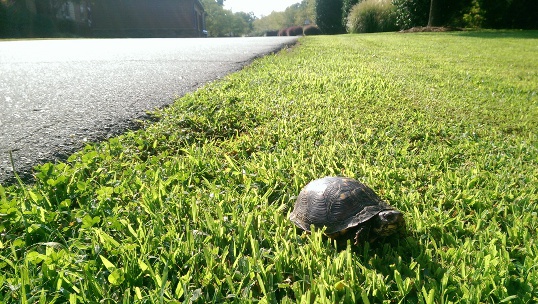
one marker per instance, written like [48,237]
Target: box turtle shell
[347,208]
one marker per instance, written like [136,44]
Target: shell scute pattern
[337,203]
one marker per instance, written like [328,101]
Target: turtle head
[388,222]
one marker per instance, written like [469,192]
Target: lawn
[194,206]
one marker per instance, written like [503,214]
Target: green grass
[193,208]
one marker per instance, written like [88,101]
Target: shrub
[294,31]
[271,33]
[310,30]
[372,16]
[411,13]
[475,16]
[282,32]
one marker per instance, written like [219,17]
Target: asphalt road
[56,95]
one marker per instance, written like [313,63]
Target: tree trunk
[434,19]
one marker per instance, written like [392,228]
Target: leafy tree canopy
[221,22]
[298,14]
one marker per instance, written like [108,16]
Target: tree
[329,16]
[433,19]
[217,23]
[221,22]
[271,22]
[249,19]
[295,15]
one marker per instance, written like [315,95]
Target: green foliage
[411,13]
[370,16]
[294,15]
[475,17]
[246,20]
[193,208]
[221,22]
[329,16]
[274,22]
[474,13]
[520,14]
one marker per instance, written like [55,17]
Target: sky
[259,7]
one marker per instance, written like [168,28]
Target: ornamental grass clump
[372,16]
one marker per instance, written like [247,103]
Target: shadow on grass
[500,34]
[404,260]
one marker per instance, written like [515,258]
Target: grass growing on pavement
[194,207]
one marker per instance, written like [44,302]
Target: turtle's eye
[391,216]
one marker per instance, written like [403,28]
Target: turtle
[347,209]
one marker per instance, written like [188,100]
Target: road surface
[56,95]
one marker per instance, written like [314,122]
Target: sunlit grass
[194,207]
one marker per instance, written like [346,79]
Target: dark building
[147,18]
[103,18]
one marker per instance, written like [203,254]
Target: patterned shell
[338,203]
